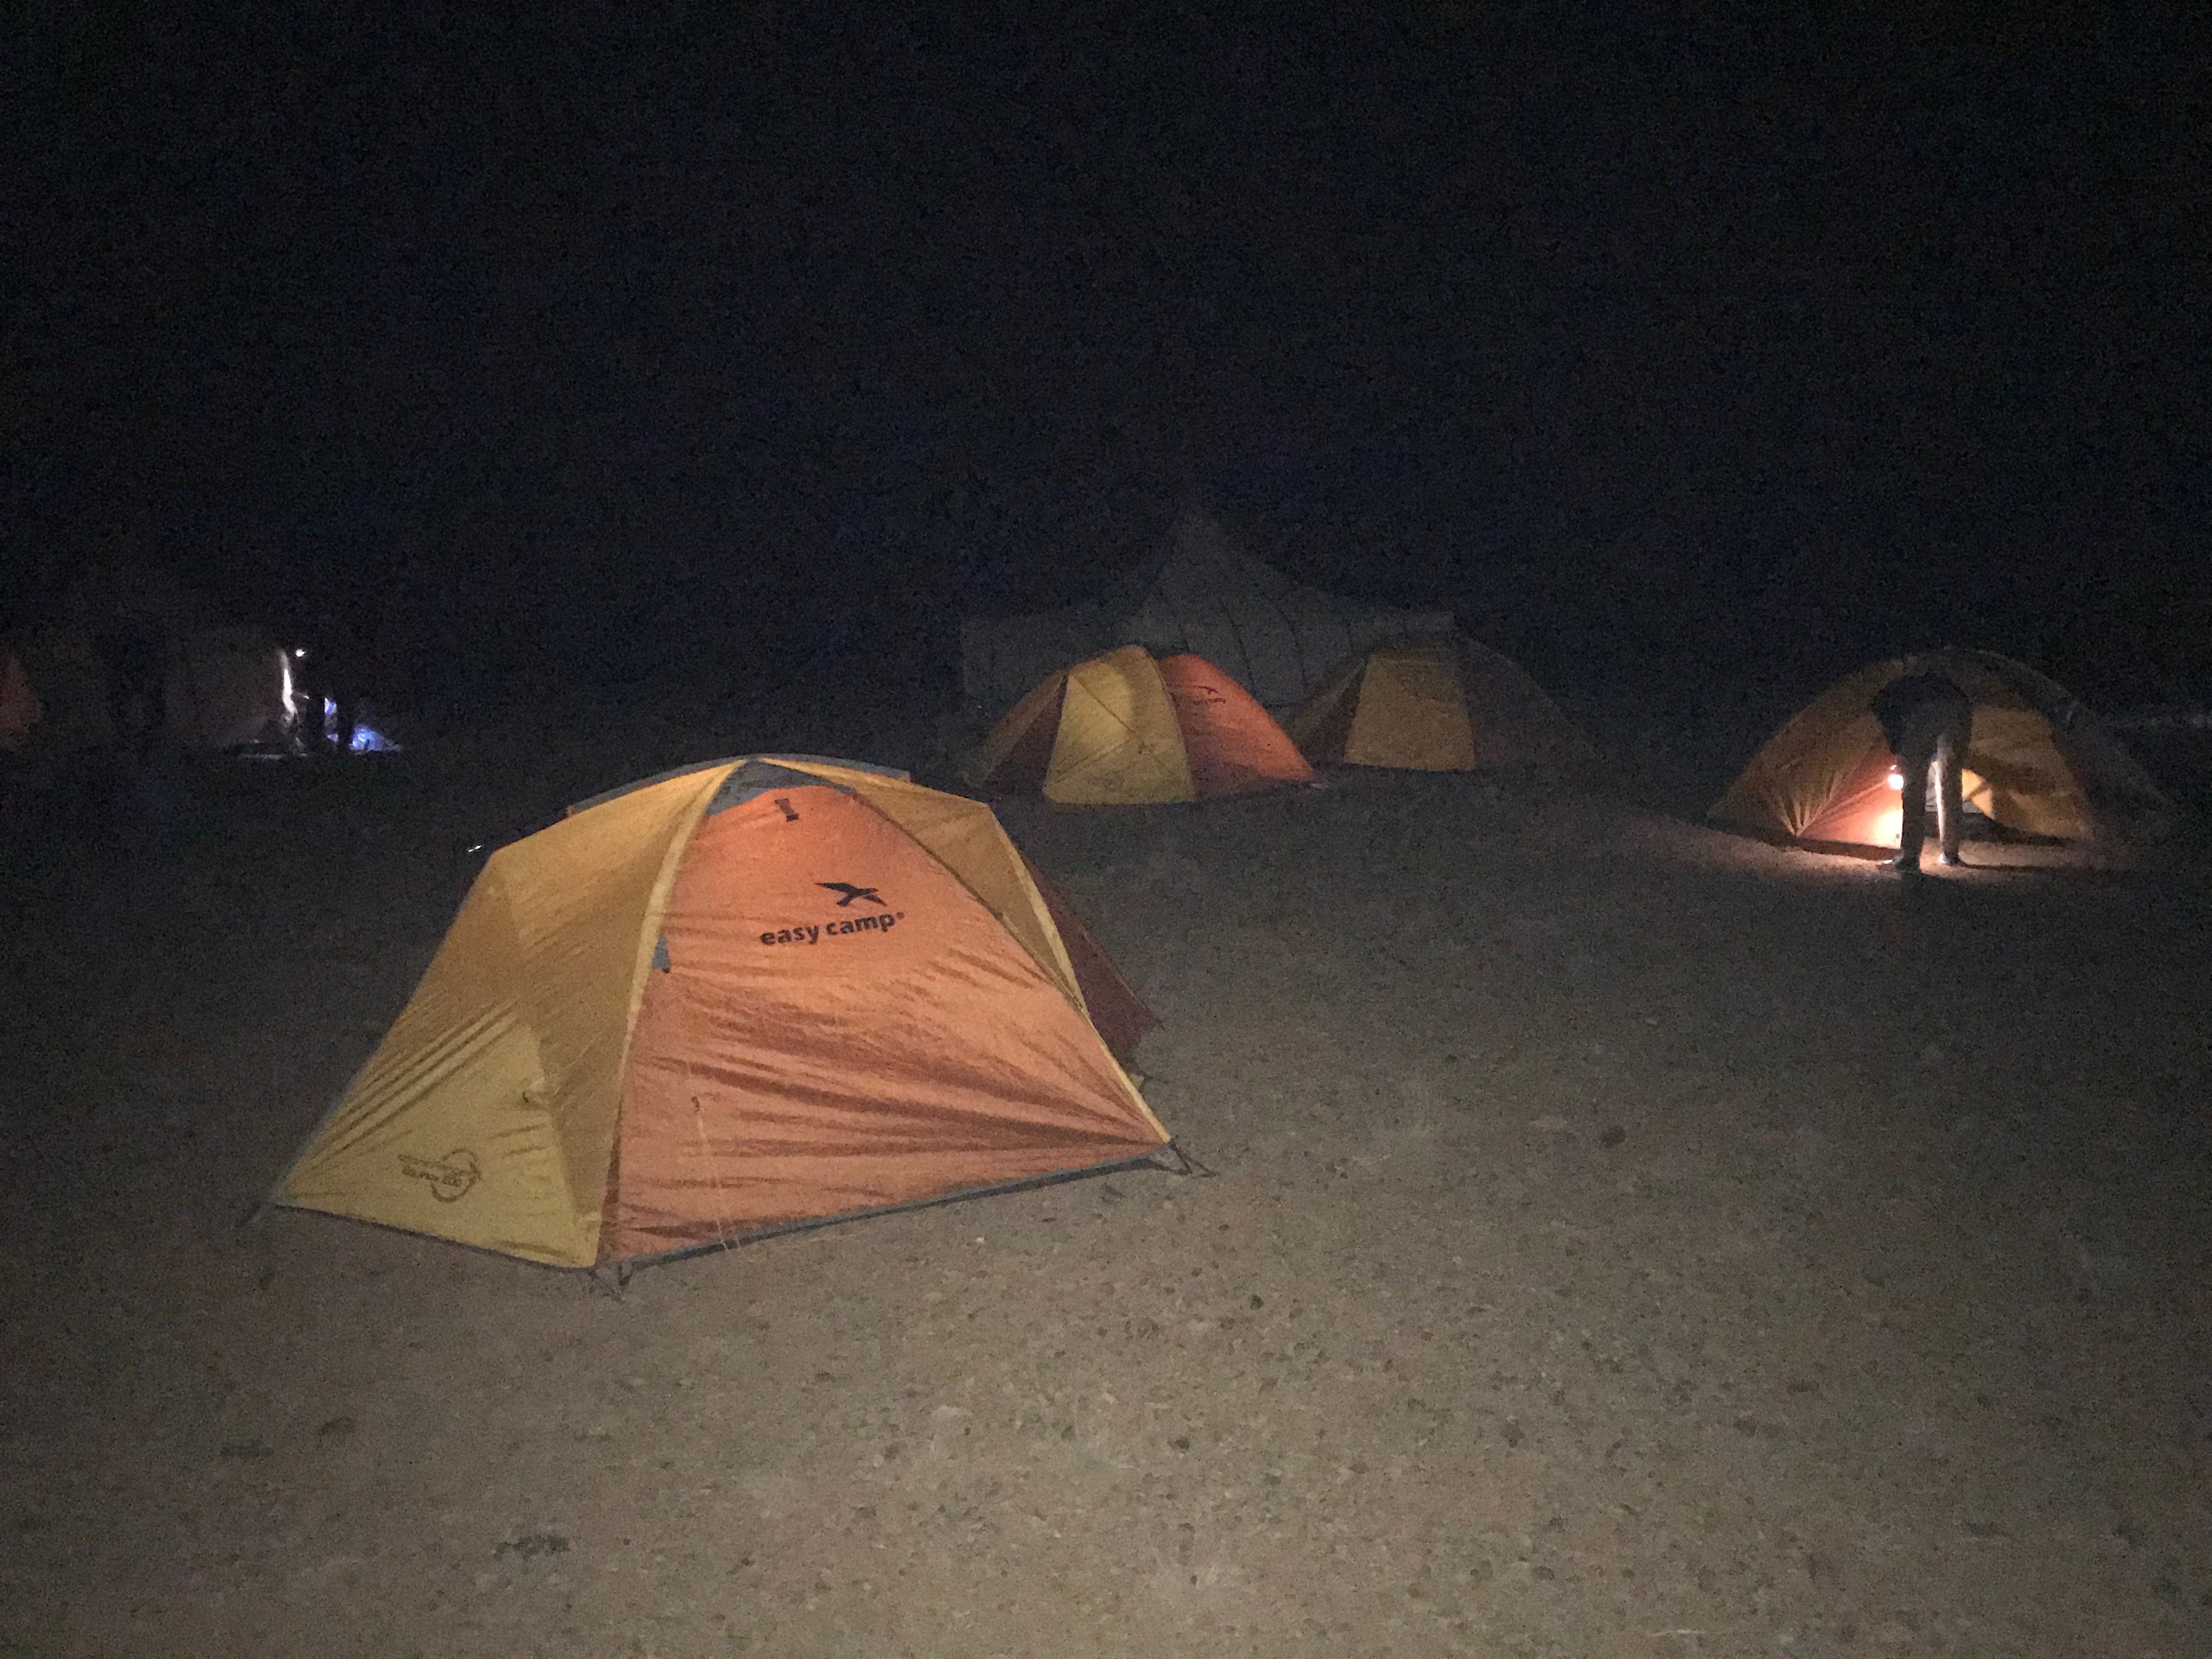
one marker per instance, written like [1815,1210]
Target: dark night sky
[1698,325]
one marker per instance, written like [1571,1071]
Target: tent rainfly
[1124,728]
[2039,764]
[762,993]
[1201,593]
[1434,702]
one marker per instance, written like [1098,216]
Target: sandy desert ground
[1622,1241]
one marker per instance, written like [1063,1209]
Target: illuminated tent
[2039,763]
[1125,728]
[1201,594]
[761,993]
[1434,702]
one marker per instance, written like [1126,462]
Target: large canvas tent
[1436,702]
[1201,593]
[764,992]
[223,684]
[1125,728]
[223,687]
[2039,764]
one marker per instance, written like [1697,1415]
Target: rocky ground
[1620,1240]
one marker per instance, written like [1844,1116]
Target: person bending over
[1929,721]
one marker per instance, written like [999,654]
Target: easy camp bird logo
[879,921]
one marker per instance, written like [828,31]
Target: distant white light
[1896,780]
[300,653]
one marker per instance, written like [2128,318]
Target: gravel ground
[1619,1241]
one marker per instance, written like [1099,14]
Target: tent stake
[1185,1164]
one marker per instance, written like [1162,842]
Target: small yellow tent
[1125,729]
[2038,762]
[1434,702]
[757,994]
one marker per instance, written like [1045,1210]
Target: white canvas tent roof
[1201,593]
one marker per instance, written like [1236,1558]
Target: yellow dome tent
[1125,728]
[758,995]
[2039,764]
[1434,702]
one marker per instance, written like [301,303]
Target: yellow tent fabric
[504,1106]
[1110,729]
[2038,762]
[1125,728]
[1434,702]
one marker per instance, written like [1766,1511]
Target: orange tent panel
[1233,744]
[790,1058]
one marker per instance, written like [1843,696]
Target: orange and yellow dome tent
[1436,702]
[2039,763]
[757,994]
[1127,728]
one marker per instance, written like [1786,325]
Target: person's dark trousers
[1927,719]
[1934,735]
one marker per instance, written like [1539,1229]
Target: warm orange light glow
[1866,806]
